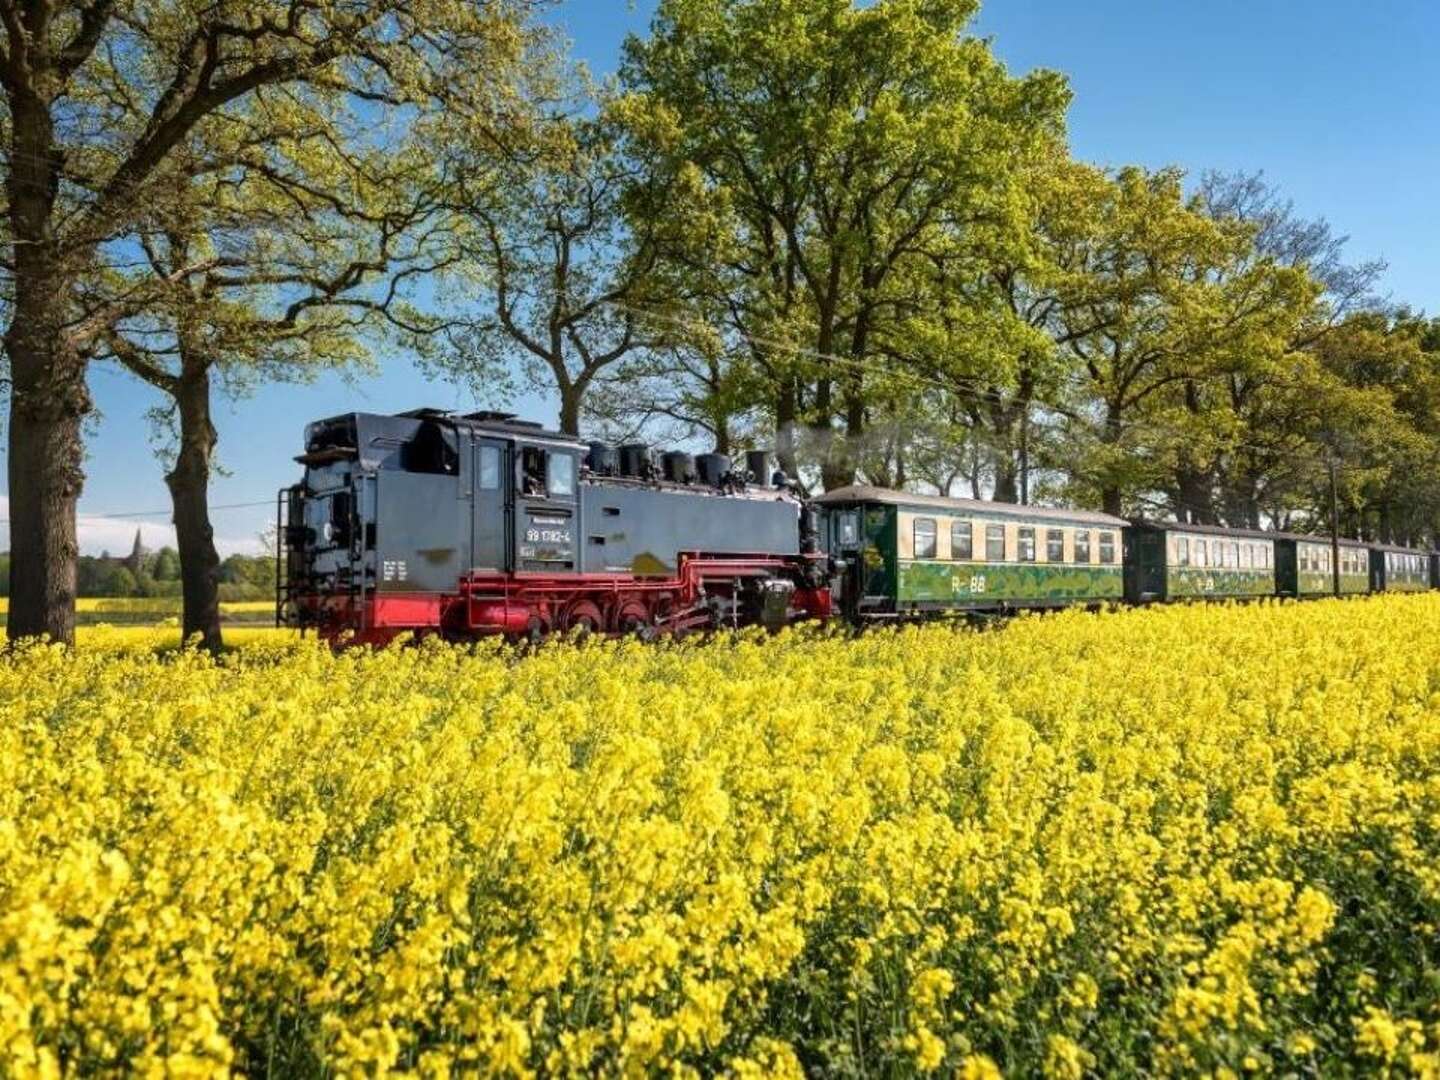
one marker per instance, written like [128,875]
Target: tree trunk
[1110,493]
[48,396]
[839,468]
[1194,496]
[189,483]
[786,410]
[570,397]
[1007,479]
[49,400]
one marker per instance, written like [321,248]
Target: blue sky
[1337,102]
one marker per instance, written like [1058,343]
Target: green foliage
[242,577]
[845,159]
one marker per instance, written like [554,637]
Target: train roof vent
[426,413]
[487,416]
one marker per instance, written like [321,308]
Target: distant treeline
[242,577]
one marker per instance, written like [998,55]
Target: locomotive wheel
[631,617]
[583,615]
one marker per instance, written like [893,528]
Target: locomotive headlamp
[327,532]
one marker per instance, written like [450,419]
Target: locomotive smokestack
[757,464]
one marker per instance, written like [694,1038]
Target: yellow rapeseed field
[148,605]
[1179,840]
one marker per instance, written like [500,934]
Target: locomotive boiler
[482,524]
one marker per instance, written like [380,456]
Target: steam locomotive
[481,524]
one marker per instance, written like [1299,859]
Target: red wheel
[583,615]
[630,616]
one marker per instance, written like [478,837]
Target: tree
[98,99]
[167,565]
[1158,303]
[273,268]
[571,277]
[842,151]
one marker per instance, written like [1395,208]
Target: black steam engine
[481,524]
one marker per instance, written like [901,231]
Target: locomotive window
[1082,545]
[1107,547]
[342,507]
[489,468]
[995,543]
[849,530]
[962,540]
[1027,544]
[924,538]
[1182,551]
[1054,545]
[532,471]
[562,475]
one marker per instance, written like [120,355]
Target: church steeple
[137,555]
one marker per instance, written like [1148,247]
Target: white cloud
[98,533]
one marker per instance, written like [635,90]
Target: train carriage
[917,554]
[1166,560]
[1399,569]
[1305,566]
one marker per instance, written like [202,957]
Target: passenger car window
[1200,553]
[1026,539]
[1082,545]
[489,468]
[562,475]
[995,543]
[1107,547]
[962,540]
[924,538]
[1054,545]
[1182,551]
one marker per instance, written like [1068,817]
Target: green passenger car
[913,554]
[1398,569]
[1166,560]
[1305,566]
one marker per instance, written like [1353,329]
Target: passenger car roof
[865,493]
[1255,534]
